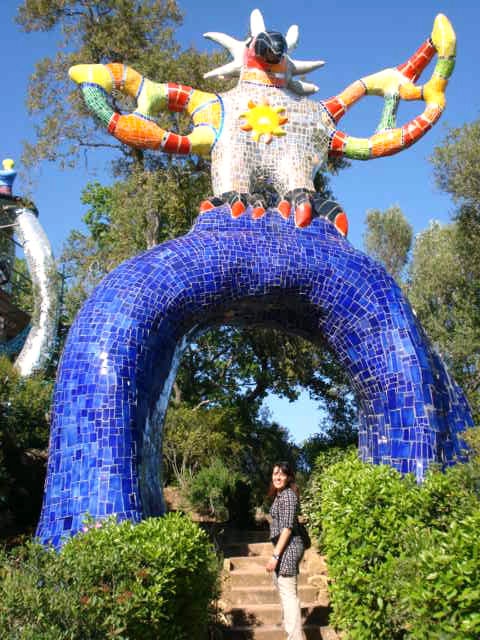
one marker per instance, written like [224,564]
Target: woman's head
[283,476]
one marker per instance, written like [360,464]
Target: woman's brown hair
[287,469]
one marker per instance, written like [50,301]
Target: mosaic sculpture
[247,259]
[34,346]
[265,138]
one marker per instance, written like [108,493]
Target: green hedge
[148,581]
[404,559]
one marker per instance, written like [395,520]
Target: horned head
[265,53]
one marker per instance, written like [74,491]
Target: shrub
[439,586]
[404,559]
[472,438]
[212,490]
[365,511]
[312,496]
[147,581]
[24,429]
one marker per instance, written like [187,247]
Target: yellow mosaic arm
[140,129]
[394,85]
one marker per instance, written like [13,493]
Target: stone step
[249,563]
[271,614]
[253,579]
[252,563]
[276,632]
[247,549]
[250,600]
[242,537]
[268,595]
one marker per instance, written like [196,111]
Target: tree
[444,276]
[388,238]
[193,436]
[457,171]
[446,300]
[456,164]
[22,292]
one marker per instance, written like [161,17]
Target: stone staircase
[249,605]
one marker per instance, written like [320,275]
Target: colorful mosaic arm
[394,85]
[139,129]
[267,140]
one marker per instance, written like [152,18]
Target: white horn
[305,66]
[233,45]
[302,88]
[292,37]
[257,23]
[230,69]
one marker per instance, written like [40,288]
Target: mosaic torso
[288,162]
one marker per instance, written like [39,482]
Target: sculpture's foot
[308,205]
[210,203]
[305,204]
[238,202]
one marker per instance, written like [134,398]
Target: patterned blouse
[284,513]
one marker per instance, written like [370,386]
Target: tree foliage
[444,276]
[456,166]
[388,238]
[193,435]
[22,290]
[24,408]
[445,296]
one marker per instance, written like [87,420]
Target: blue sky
[355,39]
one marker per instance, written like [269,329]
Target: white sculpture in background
[20,219]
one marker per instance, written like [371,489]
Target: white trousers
[292,613]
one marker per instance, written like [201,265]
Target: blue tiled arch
[122,353]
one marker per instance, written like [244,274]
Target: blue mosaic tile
[122,354]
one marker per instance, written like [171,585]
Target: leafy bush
[439,585]
[403,558]
[212,490]
[312,495]
[147,581]
[472,438]
[24,406]
[24,429]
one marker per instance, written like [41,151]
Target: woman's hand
[271,565]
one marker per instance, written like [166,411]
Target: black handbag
[303,533]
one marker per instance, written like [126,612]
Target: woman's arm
[279,548]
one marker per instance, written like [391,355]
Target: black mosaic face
[271,46]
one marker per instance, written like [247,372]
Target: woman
[288,547]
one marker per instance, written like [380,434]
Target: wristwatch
[275,556]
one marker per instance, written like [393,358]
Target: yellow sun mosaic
[263,120]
